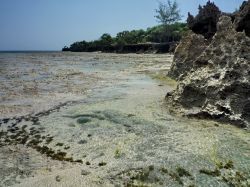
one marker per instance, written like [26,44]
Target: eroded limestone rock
[190,46]
[242,18]
[218,84]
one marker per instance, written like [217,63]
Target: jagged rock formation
[242,18]
[205,21]
[217,85]
[190,45]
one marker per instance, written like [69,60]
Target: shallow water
[116,123]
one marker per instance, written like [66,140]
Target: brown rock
[242,18]
[186,52]
[218,84]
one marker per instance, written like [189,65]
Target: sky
[52,24]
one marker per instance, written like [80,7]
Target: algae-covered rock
[218,84]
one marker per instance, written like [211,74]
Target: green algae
[214,173]
[163,78]
[118,153]
[102,164]
[182,172]
[155,176]
[59,144]
[227,173]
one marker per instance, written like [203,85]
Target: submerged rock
[217,85]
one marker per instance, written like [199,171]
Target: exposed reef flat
[117,132]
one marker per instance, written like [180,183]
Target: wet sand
[92,119]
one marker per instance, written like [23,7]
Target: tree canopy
[156,34]
[168,13]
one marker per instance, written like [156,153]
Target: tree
[106,39]
[79,46]
[168,13]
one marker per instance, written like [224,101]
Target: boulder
[216,77]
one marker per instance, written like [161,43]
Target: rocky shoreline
[118,132]
[213,75]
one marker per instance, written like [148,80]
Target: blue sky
[51,24]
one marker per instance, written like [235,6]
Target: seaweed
[164,170]
[59,144]
[182,172]
[175,177]
[49,139]
[66,147]
[102,164]
[214,173]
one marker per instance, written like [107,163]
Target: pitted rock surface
[218,84]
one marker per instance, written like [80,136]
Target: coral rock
[242,18]
[216,82]
[185,53]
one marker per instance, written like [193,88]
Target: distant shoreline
[30,51]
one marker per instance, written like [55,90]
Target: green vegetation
[224,170]
[182,172]
[213,173]
[168,13]
[154,176]
[59,144]
[157,34]
[164,79]
[170,31]
[118,153]
[228,174]
[102,164]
